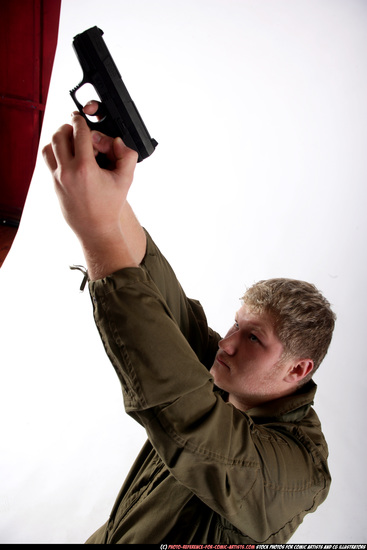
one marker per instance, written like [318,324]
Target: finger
[95,110]
[102,143]
[62,144]
[91,108]
[126,158]
[83,147]
[49,157]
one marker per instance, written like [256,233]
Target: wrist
[106,254]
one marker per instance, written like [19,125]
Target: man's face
[247,362]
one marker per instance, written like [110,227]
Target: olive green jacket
[208,473]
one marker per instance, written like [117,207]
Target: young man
[235,452]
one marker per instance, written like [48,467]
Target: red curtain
[28,38]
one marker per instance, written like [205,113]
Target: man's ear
[299,370]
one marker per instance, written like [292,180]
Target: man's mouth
[221,362]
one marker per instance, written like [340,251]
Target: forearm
[107,255]
[134,234]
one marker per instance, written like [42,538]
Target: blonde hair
[304,321]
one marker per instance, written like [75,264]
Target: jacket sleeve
[239,470]
[188,313]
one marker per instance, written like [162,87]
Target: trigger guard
[101,111]
[104,125]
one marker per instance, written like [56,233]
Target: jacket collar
[291,408]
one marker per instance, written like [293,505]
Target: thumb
[125,163]
[126,158]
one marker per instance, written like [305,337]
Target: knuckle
[60,134]
[61,175]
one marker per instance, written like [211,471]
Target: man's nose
[229,343]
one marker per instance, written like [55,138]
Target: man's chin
[218,379]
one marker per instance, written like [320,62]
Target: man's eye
[254,338]
[236,324]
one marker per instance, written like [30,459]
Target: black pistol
[119,116]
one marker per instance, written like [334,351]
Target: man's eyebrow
[264,331]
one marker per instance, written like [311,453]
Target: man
[235,452]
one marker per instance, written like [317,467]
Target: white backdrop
[260,111]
